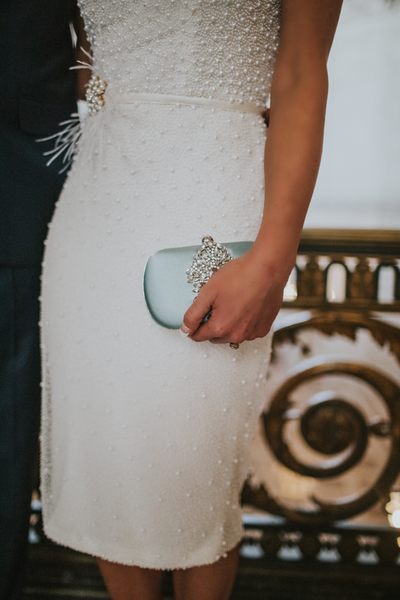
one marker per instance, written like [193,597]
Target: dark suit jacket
[37,92]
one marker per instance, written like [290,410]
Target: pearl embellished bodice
[220,49]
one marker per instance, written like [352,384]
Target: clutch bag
[173,275]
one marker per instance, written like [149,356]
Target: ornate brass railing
[332,426]
[363,254]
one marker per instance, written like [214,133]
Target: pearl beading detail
[95,90]
[223,50]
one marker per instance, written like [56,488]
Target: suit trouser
[19,417]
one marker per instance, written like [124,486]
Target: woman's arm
[246,294]
[298,100]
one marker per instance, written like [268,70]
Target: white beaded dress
[146,434]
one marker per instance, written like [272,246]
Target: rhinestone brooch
[95,94]
[208,259]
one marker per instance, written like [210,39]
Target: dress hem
[54,537]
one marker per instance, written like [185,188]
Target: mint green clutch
[172,276]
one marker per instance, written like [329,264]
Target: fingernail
[185,328]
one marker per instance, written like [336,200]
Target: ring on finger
[233,345]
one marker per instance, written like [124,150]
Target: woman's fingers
[197,313]
[216,329]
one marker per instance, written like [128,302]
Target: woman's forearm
[292,157]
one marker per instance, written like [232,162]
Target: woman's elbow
[301,76]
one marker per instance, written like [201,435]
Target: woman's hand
[244,297]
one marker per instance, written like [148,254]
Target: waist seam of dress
[132,98]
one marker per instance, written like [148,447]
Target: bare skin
[246,294]
[131,583]
[208,582]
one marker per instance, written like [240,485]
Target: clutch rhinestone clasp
[208,259]
[95,94]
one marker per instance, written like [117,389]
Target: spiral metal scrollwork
[331,426]
[337,430]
